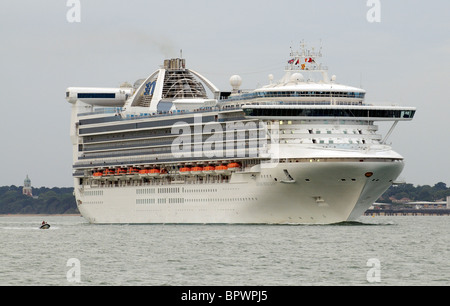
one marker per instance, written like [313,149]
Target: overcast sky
[403,59]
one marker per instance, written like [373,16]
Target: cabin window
[96,95]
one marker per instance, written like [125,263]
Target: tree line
[409,192]
[44,201]
[62,201]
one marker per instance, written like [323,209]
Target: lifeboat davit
[208,170]
[185,171]
[163,172]
[234,166]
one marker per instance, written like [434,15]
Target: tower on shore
[27,187]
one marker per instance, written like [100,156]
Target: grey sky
[404,59]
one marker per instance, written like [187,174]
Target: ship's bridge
[307,92]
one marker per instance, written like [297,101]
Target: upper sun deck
[305,81]
[312,93]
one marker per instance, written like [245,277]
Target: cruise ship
[173,148]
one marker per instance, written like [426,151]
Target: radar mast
[306,61]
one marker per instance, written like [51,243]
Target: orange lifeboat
[197,170]
[143,172]
[133,172]
[185,170]
[222,169]
[108,172]
[154,172]
[208,170]
[97,174]
[234,166]
[120,171]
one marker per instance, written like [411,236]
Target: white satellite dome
[235,82]
[297,77]
[126,85]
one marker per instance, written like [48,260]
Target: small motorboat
[45,226]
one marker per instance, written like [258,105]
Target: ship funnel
[175,64]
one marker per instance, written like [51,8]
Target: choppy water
[410,251]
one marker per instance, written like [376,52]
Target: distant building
[27,187]
[415,205]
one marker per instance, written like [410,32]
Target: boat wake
[13,228]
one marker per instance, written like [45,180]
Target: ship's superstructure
[173,148]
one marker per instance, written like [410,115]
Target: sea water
[380,250]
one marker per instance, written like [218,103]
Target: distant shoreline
[408,212]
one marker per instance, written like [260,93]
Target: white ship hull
[320,193]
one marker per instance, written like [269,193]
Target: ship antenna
[181,53]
